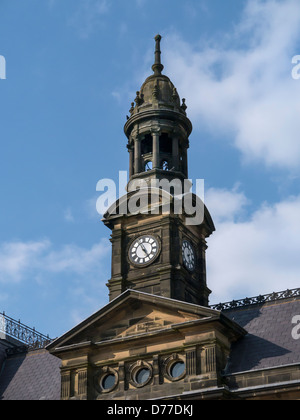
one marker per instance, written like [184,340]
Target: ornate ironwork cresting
[26,335]
[258,300]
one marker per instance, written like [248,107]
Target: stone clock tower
[156,338]
[154,250]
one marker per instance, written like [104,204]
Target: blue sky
[72,70]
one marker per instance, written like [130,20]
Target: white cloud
[17,258]
[241,87]
[226,205]
[77,260]
[89,16]
[69,280]
[90,209]
[20,261]
[68,216]
[256,256]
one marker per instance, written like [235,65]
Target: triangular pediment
[133,313]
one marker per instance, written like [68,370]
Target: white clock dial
[188,255]
[144,250]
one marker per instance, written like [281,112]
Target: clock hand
[144,249]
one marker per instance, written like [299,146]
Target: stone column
[122,376]
[155,136]
[137,155]
[156,370]
[210,359]
[65,385]
[131,160]
[83,383]
[191,362]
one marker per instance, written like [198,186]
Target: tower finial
[157,66]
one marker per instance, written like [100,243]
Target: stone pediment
[140,333]
[132,314]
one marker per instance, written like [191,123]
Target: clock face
[188,255]
[144,250]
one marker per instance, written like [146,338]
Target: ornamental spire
[157,66]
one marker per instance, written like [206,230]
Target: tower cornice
[157,114]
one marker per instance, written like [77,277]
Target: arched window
[148,165]
[165,144]
[165,165]
[146,144]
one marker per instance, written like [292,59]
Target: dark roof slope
[269,342]
[33,375]
[2,356]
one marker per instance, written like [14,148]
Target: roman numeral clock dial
[144,250]
[188,255]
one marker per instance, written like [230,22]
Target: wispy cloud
[18,258]
[253,255]
[88,16]
[226,205]
[22,260]
[67,280]
[68,216]
[240,87]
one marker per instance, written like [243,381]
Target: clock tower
[157,338]
[155,248]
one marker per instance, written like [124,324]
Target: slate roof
[33,375]
[269,342]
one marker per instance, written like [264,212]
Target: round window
[177,370]
[108,382]
[142,376]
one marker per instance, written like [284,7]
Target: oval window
[108,382]
[177,370]
[142,376]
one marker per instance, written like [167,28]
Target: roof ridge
[257,300]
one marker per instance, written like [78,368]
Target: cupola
[158,128]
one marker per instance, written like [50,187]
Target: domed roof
[157,92]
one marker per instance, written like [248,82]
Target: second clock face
[188,255]
[144,250]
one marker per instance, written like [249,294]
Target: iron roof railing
[26,335]
[258,300]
